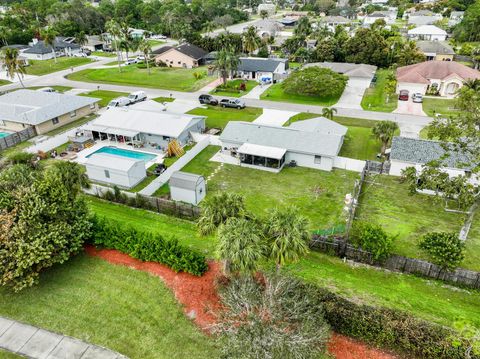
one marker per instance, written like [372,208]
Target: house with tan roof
[185,55]
[444,77]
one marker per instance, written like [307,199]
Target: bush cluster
[372,238]
[315,81]
[119,197]
[147,246]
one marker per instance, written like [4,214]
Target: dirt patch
[200,300]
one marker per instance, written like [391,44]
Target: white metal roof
[108,161]
[110,130]
[427,29]
[264,151]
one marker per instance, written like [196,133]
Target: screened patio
[266,157]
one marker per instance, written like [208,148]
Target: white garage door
[412,88]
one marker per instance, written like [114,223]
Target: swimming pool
[4,134]
[124,153]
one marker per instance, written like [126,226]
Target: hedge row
[390,328]
[147,246]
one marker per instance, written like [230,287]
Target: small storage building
[187,187]
[115,170]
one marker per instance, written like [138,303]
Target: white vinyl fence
[349,164]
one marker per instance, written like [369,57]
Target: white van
[138,96]
[119,102]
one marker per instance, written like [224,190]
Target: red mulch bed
[198,296]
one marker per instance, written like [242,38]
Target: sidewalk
[37,343]
[257,91]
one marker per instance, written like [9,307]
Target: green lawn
[105,96]
[427,299]
[4,82]
[433,106]
[218,117]
[103,54]
[164,99]
[387,202]
[376,98]
[73,124]
[18,148]
[60,89]
[114,306]
[176,79]
[233,88]
[472,260]
[358,143]
[276,93]
[43,67]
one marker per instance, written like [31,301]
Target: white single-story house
[115,170]
[411,152]
[313,143]
[44,111]
[144,128]
[436,50]
[388,16]
[40,51]
[444,77]
[269,8]
[428,33]
[266,27]
[423,17]
[331,22]
[455,18]
[187,187]
[257,68]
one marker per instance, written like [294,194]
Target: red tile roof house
[446,76]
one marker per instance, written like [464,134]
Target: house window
[179,62]
[73,113]
[55,120]
[166,138]
[107,173]
[317,160]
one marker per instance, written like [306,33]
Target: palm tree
[226,63]
[329,112]
[145,47]
[476,57]
[240,245]
[384,131]
[126,38]
[81,38]
[113,29]
[49,37]
[263,14]
[209,27]
[287,235]
[473,84]
[303,27]
[251,40]
[12,64]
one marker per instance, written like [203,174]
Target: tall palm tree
[49,37]
[329,112]
[473,84]
[81,38]
[384,131]
[226,63]
[287,235]
[145,47]
[113,29]
[126,38]
[12,64]
[251,40]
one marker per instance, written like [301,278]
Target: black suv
[208,99]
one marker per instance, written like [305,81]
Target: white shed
[116,170]
[187,187]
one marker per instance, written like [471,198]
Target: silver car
[417,97]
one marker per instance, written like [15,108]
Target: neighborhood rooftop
[437,47]
[348,69]
[255,64]
[184,180]
[109,161]
[420,73]
[34,107]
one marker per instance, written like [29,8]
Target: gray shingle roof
[41,48]
[423,151]
[191,50]
[437,47]
[295,140]
[34,107]
[259,64]
[184,180]
[348,69]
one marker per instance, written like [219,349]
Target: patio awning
[111,130]
[262,151]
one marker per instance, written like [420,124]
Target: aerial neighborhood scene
[241,179]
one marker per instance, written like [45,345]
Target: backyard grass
[234,86]
[105,96]
[128,311]
[276,93]
[176,79]
[426,299]
[103,54]
[375,98]
[71,125]
[43,67]
[4,82]
[472,260]
[433,106]
[218,117]
[17,148]
[359,142]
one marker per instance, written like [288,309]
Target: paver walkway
[36,343]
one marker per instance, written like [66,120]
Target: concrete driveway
[274,117]
[353,93]
[410,108]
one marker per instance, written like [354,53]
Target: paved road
[37,343]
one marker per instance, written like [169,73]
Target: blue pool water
[4,134]
[125,153]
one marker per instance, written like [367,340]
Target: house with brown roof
[185,55]
[444,77]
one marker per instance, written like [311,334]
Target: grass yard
[433,106]
[125,310]
[103,54]
[376,98]
[276,93]
[43,67]
[358,143]
[60,89]
[218,117]
[17,148]
[4,82]
[425,298]
[233,88]
[472,260]
[163,99]
[154,42]
[176,79]
[387,202]
[105,96]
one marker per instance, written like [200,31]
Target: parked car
[158,37]
[86,51]
[417,97]
[140,58]
[46,89]
[208,99]
[137,96]
[119,102]
[80,54]
[130,62]
[232,103]
[404,95]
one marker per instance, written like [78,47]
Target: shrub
[445,249]
[147,246]
[315,81]
[372,238]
